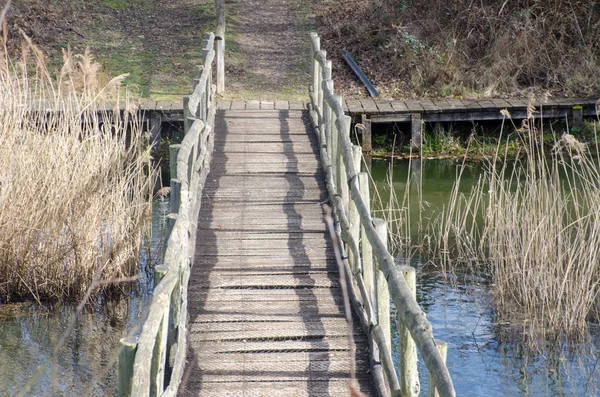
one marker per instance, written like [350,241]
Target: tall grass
[535,226]
[74,179]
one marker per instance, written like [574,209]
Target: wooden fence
[371,283]
[153,363]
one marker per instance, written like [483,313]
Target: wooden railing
[371,284]
[153,363]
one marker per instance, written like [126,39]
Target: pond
[85,365]
[485,356]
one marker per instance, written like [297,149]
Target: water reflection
[86,364]
[485,356]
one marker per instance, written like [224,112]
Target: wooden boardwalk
[266,315]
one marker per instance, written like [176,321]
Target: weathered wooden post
[173,154]
[159,273]
[171,218]
[175,195]
[353,215]
[343,188]
[409,376]
[367,140]
[220,45]
[383,294]
[365,245]
[577,112]
[443,349]
[126,360]
[416,126]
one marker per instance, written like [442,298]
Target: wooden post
[175,195]
[186,115]
[367,140]
[159,273]
[315,47]
[173,153]
[353,215]
[334,154]
[157,366]
[365,245]
[577,116]
[171,218]
[409,375]
[126,360]
[443,349]
[155,129]
[220,45]
[343,175]
[415,140]
[383,294]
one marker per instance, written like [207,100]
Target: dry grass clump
[535,224]
[486,47]
[74,181]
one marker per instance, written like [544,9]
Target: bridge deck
[266,315]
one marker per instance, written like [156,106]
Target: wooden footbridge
[258,279]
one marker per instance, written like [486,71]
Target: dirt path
[268,50]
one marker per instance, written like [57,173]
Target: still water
[85,365]
[485,357]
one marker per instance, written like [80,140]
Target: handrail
[341,162]
[153,363]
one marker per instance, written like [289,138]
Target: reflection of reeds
[74,180]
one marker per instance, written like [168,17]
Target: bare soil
[268,50]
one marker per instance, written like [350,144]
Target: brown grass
[535,226]
[411,47]
[74,181]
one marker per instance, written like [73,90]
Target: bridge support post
[443,349]
[577,120]
[381,286]
[126,360]
[409,375]
[416,130]
[367,140]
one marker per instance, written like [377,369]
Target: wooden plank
[413,106]
[310,388]
[369,106]
[471,105]
[500,103]
[487,105]
[399,106]
[165,106]
[429,106]
[282,105]
[267,105]
[354,106]
[224,105]
[238,105]
[296,105]
[517,103]
[384,106]
[391,118]
[252,105]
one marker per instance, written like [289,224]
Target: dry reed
[74,178]
[535,225]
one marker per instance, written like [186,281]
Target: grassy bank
[74,181]
[465,48]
